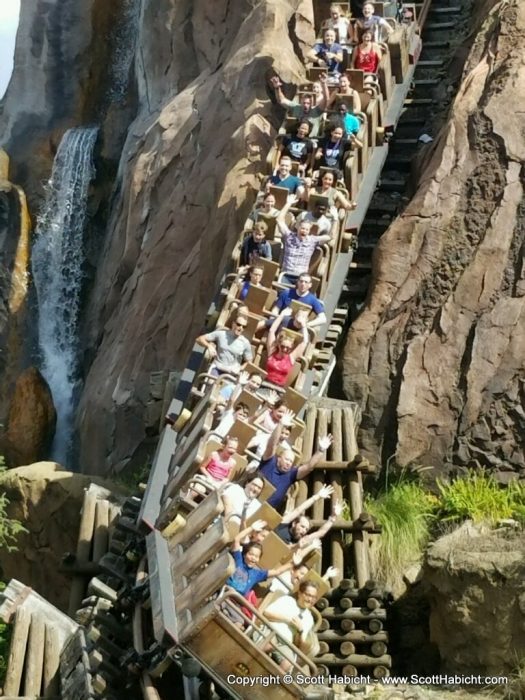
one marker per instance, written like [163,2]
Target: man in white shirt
[291,617]
[241,502]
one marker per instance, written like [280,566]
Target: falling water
[57,259]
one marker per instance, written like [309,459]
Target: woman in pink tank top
[220,464]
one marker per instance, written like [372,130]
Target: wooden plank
[187,561]
[35,655]
[17,652]
[207,582]
[336,543]
[199,518]
[149,511]
[101,533]
[161,588]
[51,662]
[85,537]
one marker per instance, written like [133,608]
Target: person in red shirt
[366,55]
[281,352]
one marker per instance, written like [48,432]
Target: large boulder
[436,358]
[476,587]
[31,420]
[47,501]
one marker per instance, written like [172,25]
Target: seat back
[260,298]
[275,552]
[267,513]
[270,271]
[280,194]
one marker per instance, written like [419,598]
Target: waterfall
[57,259]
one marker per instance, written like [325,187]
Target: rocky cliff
[186,173]
[436,357]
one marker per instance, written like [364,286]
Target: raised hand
[272,397]
[325,491]
[286,312]
[331,572]
[337,509]
[324,443]
[288,418]
[258,525]
[244,378]
[275,81]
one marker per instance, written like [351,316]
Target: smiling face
[367,37]
[337,133]
[368,9]
[239,325]
[285,165]
[254,487]
[328,180]
[329,37]
[299,528]
[298,573]
[307,596]
[303,130]
[252,555]
[344,83]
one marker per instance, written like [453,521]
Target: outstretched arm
[279,95]
[323,444]
[254,527]
[323,102]
[271,447]
[324,492]
[324,529]
[299,350]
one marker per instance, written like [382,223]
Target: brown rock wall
[436,358]
[187,180]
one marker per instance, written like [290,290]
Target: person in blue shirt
[247,573]
[328,54]
[253,277]
[282,178]
[351,124]
[279,469]
[301,293]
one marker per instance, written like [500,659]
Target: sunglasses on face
[240,325]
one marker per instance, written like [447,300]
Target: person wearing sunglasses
[282,355]
[228,348]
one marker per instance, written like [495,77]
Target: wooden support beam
[17,652]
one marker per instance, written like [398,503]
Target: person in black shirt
[332,150]
[298,146]
[255,246]
[295,526]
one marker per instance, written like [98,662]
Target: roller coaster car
[226,651]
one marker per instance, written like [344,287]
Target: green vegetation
[5,639]
[410,515]
[478,497]
[405,512]
[9,527]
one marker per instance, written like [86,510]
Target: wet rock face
[160,234]
[31,420]
[436,357]
[475,583]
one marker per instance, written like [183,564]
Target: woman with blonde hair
[341,23]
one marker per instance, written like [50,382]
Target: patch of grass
[478,497]
[405,512]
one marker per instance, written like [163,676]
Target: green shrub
[478,497]
[9,527]
[404,511]
[5,638]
